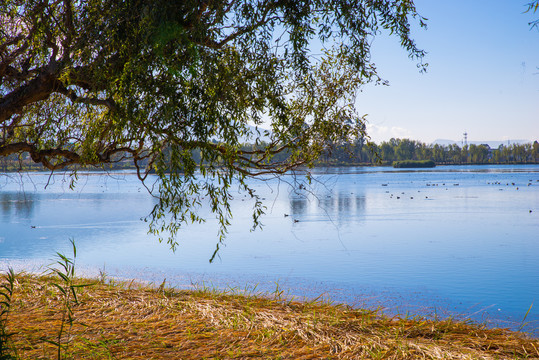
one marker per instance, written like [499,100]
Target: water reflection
[334,204]
[298,205]
[17,205]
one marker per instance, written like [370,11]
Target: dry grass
[127,321]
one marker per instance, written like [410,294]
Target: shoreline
[387,300]
[138,321]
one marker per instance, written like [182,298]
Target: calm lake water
[460,241]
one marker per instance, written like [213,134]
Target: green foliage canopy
[92,82]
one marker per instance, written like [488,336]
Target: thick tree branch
[35,90]
[72,95]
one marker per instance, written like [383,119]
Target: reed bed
[119,320]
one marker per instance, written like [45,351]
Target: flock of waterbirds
[530,183]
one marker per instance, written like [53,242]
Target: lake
[450,241]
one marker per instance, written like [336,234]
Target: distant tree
[535,151]
[90,82]
[387,151]
[454,153]
[439,153]
[507,154]
[528,151]
[405,149]
[358,147]
[371,153]
[424,152]
[478,153]
[518,152]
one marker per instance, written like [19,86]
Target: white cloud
[384,133]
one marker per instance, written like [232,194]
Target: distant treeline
[362,153]
[404,149]
[23,162]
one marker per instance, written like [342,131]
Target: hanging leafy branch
[93,82]
[533,6]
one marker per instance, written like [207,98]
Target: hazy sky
[483,76]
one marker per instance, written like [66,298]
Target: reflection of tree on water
[298,205]
[338,205]
[17,204]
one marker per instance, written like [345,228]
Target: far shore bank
[36,169]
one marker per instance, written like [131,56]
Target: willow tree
[86,83]
[532,7]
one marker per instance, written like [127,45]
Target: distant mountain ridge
[493,144]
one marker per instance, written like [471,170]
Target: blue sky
[483,76]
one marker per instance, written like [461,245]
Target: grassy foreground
[134,321]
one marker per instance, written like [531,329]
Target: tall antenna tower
[465,138]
